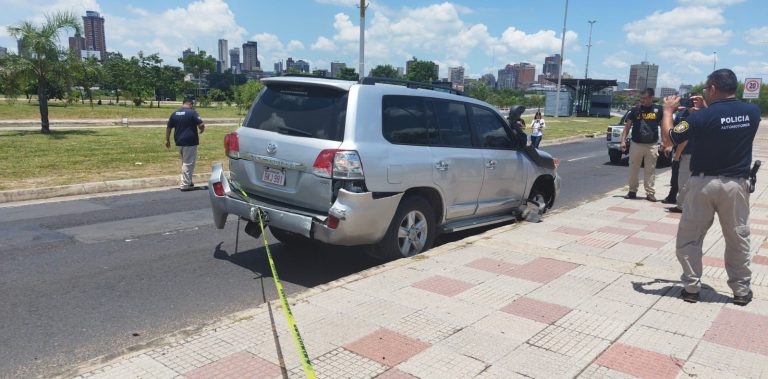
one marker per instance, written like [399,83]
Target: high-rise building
[93,26]
[234,59]
[456,76]
[3,51]
[550,69]
[526,74]
[77,44]
[336,68]
[185,54]
[278,68]
[643,75]
[302,66]
[685,89]
[507,77]
[665,91]
[489,80]
[251,57]
[223,54]
[401,72]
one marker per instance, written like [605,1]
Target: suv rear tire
[615,156]
[411,231]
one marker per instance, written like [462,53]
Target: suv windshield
[305,111]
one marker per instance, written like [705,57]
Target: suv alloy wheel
[411,231]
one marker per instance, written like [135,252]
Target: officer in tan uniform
[722,135]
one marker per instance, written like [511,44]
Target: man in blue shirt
[723,133]
[185,122]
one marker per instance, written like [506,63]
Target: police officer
[185,122]
[644,122]
[723,134]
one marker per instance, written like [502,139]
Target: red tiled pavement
[387,347]
[238,365]
[572,231]
[443,285]
[542,270]
[536,310]
[634,221]
[596,242]
[758,221]
[394,373]
[712,261]
[759,205]
[764,245]
[758,232]
[740,330]
[619,231]
[623,210]
[644,242]
[492,265]
[760,259]
[676,216]
[639,362]
[662,228]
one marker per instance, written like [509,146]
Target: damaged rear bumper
[363,217]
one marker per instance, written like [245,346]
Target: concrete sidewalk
[588,292]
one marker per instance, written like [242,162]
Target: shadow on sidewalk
[708,294]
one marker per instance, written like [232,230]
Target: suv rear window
[305,111]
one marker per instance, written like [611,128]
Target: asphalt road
[94,276]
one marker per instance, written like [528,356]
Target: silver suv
[377,164]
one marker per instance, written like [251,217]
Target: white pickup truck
[613,138]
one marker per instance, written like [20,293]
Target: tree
[348,73]
[385,71]
[422,71]
[197,64]
[116,73]
[39,53]
[246,94]
[479,91]
[85,73]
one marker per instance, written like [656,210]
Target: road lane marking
[580,158]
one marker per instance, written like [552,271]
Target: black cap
[189,99]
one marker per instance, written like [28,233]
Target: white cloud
[685,56]
[757,36]
[739,52]
[618,60]
[295,45]
[753,69]
[323,44]
[681,26]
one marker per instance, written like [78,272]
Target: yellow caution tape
[303,355]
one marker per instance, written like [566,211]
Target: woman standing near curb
[536,126]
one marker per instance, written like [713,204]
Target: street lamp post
[560,66]
[589,47]
[363,7]
[714,60]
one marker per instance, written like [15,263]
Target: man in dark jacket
[185,122]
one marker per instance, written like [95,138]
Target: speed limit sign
[752,88]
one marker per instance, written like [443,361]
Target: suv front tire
[411,231]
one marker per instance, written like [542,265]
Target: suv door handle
[442,165]
[491,165]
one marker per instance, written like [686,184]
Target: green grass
[29,159]
[57,110]
[572,126]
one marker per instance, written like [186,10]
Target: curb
[94,188]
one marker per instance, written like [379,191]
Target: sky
[686,38]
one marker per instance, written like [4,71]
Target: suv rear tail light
[338,164]
[608,134]
[232,145]
[332,222]
[218,189]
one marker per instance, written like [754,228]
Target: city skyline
[684,38]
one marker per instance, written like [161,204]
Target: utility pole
[589,47]
[714,60]
[560,68]
[362,7]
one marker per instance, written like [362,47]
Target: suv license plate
[273,176]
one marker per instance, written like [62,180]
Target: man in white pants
[643,121]
[185,122]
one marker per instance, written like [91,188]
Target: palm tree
[39,53]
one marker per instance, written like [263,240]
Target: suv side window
[404,120]
[452,124]
[490,129]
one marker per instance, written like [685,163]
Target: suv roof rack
[411,84]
